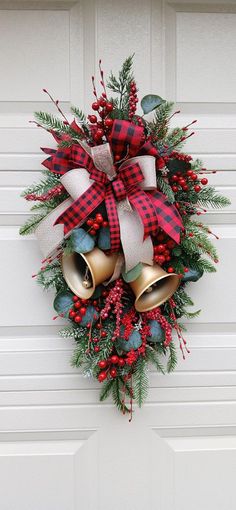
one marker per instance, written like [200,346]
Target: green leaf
[104,238]
[133,342]
[63,302]
[150,103]
[177,251]
[81,241]
[90,316]
[157,333]
[193,275]
[133,274]
[177,165]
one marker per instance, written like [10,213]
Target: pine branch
[152,356]
[31,224]
[78,114]
[106,389]
[140,381]
[165,188]
[121,85]
[52,123]
[50,181]
[172,360]
[208,197]
[203,265]
[159,125]
[118,395]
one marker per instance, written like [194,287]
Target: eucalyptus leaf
[90,316]
[133,274]
[157,333]
[81,241]
[177,165]
[104,238]
[63,302]
[134,342]
[192,276]
[150,103]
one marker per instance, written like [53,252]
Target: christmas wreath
[117,220]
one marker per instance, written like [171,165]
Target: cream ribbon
[77,181]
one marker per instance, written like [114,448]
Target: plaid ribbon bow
[154,210]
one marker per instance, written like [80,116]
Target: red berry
[170,244]
[194,177]
[75,298]
[160,248]
[92,119]
[204,181]
[95,106]
[102,363]
[108,122]
[78,318]
[160,259]
[174,178]
[96,348]
[72,314]
[109,107]
[83,310]
[197,188]
[105,223]
[90,222]
[189,173]
[170,270]
[92,232]
[121,362]
[114,359]
[95,340]
[102,376]
[175,189]
[96,226]
[99,133]
[77,305]
[113,372]
[186,269]
[102,102]
[99,218]
[103,334]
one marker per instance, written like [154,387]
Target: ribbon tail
[145,209]
[131,234]
[49,235]
[167,216]
[81,208]
[113,219]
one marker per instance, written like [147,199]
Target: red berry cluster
[108,368]
[181,157]
[133,99]
[79,309]
[53,192]
[96,223]
[101,127]
[163,249]
[185,181]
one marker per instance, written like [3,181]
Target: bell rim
[168,275]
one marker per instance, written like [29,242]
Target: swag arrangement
[117,220]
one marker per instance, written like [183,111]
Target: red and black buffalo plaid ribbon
[155,211]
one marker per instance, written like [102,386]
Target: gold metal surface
[163,286]
[100,268]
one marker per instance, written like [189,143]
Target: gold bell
[84,271]
[153,287]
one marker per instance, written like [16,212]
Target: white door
[60,449]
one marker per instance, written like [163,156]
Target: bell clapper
[149,289]
[86,281]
